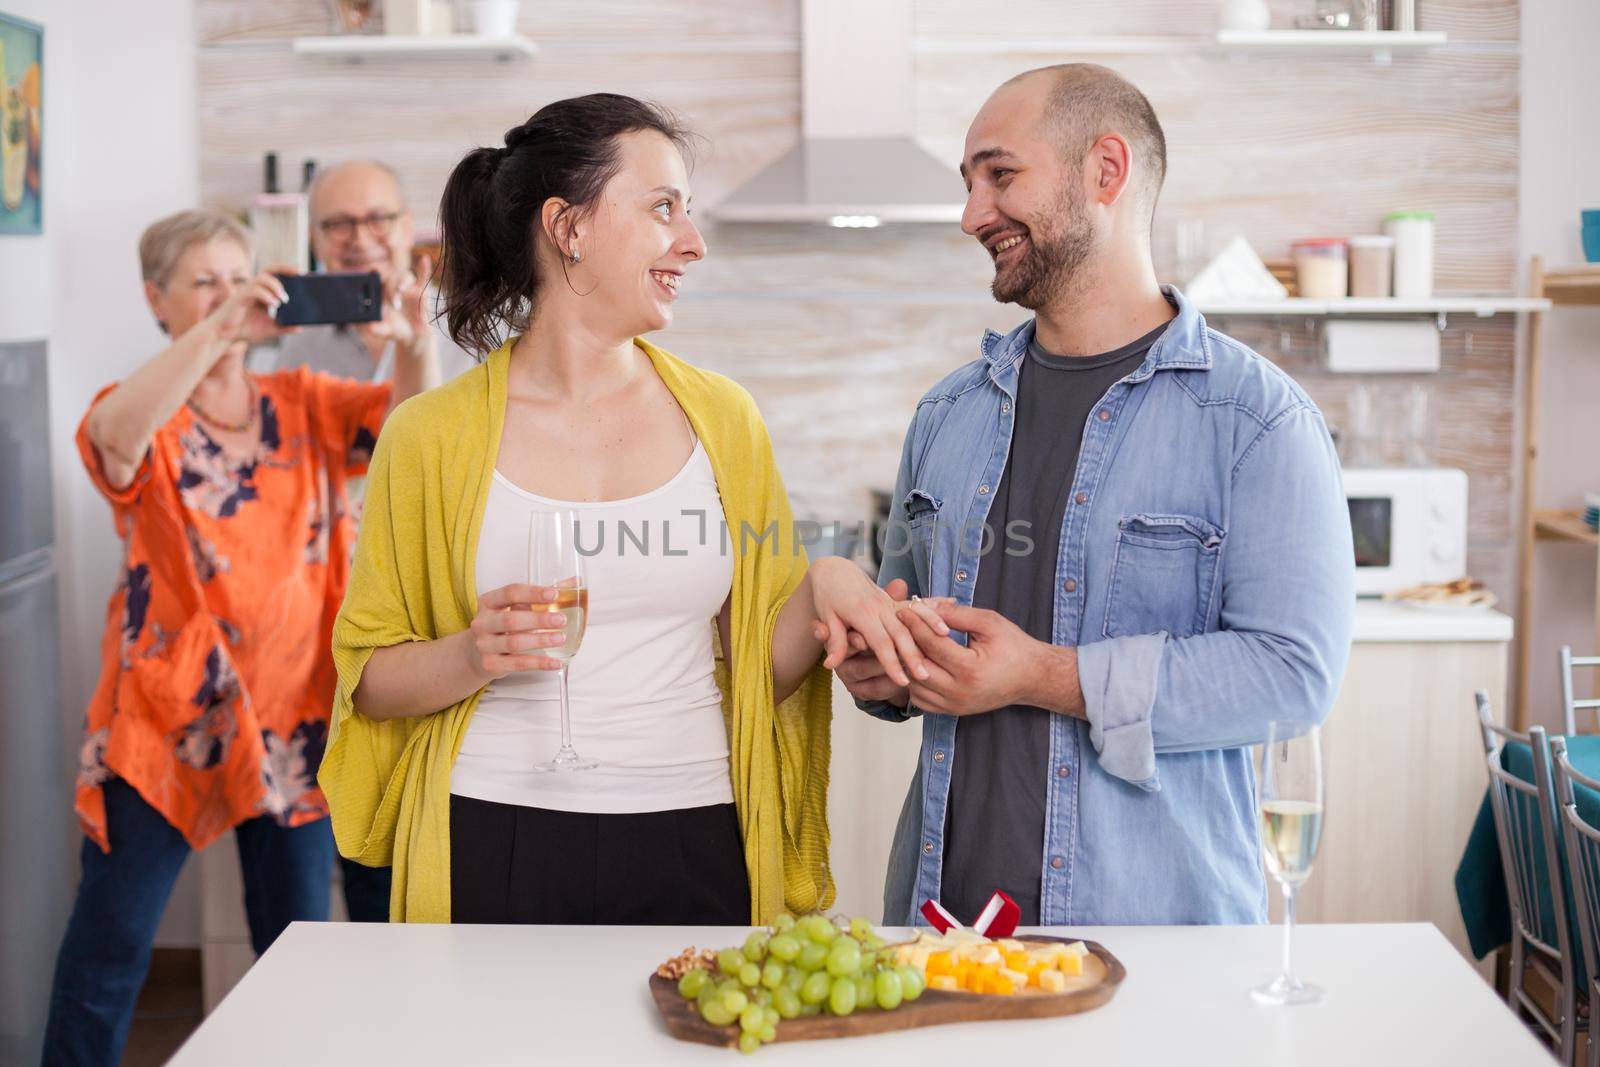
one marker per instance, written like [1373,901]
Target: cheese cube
[946,982]
[1052,981]
[1070,965]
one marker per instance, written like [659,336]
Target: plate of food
[1460,594]
[817,977]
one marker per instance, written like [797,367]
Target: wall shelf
[1576,285]
[1481,305]
[1382,44]
[356,47]
[1558,525]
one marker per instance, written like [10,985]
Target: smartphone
[328,299]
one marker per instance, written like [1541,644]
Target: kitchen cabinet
[1404,767]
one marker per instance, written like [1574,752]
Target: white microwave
[1409,525]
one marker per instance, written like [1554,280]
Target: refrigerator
[38,833]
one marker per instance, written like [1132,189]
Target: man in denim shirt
[1195,571]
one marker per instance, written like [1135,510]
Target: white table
[439,996]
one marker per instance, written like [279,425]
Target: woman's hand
[861,672]
[247,314]
[419,677]
[512,624]
[852,610]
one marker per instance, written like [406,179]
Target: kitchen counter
[1378,620]
[433,996]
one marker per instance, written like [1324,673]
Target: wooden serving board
[1102,973]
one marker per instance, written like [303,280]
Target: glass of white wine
[1290,787]
[554,560]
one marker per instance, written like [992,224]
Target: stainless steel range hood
[856,163]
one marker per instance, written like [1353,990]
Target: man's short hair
[1087,101]
[165,241]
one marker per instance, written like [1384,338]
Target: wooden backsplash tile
[543,20]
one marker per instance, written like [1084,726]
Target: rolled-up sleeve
[896,564]
[1287,609]
[121,498]
[1119,679]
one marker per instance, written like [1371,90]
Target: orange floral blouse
[215,671]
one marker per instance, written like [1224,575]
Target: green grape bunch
[798,968]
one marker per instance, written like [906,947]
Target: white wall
[119,103]
[1560,175]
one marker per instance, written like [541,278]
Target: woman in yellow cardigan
[708,804]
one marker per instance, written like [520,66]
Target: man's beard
[1050,262]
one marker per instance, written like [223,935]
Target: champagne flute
[553,560]
[1290,787]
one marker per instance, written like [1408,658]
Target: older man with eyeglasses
[360,222]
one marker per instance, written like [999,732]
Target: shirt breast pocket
[1163,575]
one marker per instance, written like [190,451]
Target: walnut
[686,961]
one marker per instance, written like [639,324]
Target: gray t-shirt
[999,782]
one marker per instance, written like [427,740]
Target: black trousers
[512,864]
[366,891]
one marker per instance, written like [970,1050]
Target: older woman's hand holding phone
[250,312]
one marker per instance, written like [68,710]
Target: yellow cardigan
[388,783]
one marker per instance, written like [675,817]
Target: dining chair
[1524,824]
[1569,706]
[1583,860]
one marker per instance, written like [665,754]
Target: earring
[576,255]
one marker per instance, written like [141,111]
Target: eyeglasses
[343,227]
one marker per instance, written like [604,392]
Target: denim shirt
[1207,579]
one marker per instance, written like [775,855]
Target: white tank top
[645,703]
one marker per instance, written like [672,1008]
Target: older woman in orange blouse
[230,495]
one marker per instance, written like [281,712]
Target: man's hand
[1000,665]
[863,675]
[405,313]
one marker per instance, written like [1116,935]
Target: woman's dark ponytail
[469,271]
[489,216]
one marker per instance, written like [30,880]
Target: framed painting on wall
[21,126]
